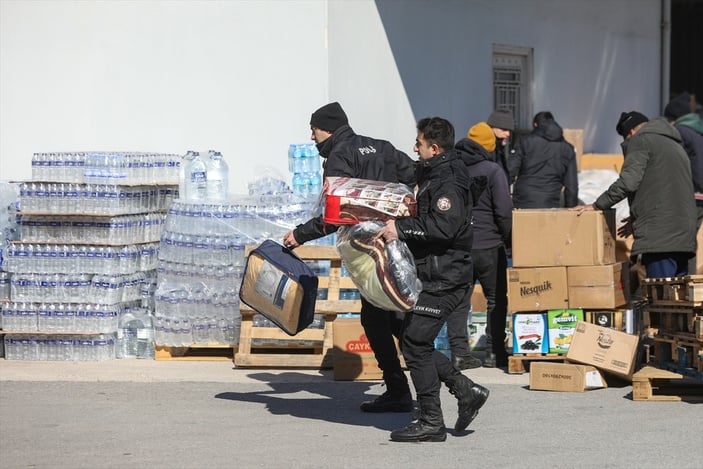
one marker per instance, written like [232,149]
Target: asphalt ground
[187,414]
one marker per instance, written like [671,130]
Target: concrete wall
[243,76]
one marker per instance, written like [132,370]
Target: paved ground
[178,414]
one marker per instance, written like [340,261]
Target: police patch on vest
[444,204]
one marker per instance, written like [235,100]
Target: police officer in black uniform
[347,154]
[440,238]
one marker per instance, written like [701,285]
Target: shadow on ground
[296,395]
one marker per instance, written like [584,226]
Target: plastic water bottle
[182,175]
[196,178]
[217,176]
[135,334]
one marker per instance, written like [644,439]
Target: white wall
[240,76]
[243,76]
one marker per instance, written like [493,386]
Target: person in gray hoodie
[656,180]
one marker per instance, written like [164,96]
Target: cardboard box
[566,377]
[537,289]
[560,328]
[478,299]
[575,137]
[598,286]
[612,161]
[352,356]
[563,237]
[606,349]
[612,319]
[530,333]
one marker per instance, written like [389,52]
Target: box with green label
[561,324]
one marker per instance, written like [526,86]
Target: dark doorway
[687,48]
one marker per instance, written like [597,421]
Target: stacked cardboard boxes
[565,269]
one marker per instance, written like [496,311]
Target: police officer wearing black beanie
[346,154]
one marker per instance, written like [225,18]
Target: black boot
[429,425]
[465,362]
[397,398]
[388,402]
[471,397]
[494,360]
[490,360]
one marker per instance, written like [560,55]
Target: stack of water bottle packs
[201,260]
[304,164]
[83,265]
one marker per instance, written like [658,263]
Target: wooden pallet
[681,349]
[250,355]
[654,384]
[675,289]
[516,362]
[207,352]
[679,317]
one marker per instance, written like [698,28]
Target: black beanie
[679,106]
[628,121]
[329,117]
[501,119]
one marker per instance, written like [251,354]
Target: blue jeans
[666,264]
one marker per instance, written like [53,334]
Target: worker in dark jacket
[440,238]
[544,165]
[492,224]
[656,180]
[690,126]
[502,124]
[350,155]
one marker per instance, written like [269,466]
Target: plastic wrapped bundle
[348,200]
[383,272]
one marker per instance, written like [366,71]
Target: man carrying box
[656,180]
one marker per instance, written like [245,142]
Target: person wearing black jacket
[502,124]
[440,238]
[347,154]
[492,225]
[544,164]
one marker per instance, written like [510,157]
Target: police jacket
[543,164]
[346,154]
[493,212]
[656,179]
[440,236]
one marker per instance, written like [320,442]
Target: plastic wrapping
[383,272]
[349,200]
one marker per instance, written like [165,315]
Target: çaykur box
[352,356]
[351,200]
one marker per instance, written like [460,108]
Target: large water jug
[196,178]
[217,176]
[183,175]
[135,334]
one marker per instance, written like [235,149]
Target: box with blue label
[530,333]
